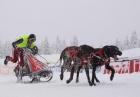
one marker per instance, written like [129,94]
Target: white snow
[131,53]
[53,58]
[123,85]
[127,85]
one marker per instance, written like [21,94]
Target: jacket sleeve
[17,42]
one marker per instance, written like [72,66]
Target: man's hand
[35,50]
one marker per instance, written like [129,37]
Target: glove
[14,45]
[34,50]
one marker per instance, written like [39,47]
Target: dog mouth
[119,53]
[115,57]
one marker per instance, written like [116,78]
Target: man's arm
[17,42]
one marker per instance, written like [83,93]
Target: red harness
[102,54]
[72,52]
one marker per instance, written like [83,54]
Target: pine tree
[127,44]
[64,44]
[7,49]
[119,44]
[134,40]
[1,49]
[58,45]
[45,47]
[74,42]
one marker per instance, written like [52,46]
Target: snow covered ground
[126,85]
[135,52]
[123,85]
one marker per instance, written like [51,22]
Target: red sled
[35,69]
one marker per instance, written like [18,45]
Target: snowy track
[123,85]
[126,85]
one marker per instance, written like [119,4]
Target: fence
[129,66]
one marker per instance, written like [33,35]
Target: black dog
[77,55]
[99,57]
[105,54]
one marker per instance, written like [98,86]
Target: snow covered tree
[63,45]
[7,49]
[134,40]
[127,44]
[74,42]
[45,47]
[1,49]
[119,44]
[58,45]
[138,42]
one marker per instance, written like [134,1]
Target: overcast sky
[95,22]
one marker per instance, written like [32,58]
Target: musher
[22,42]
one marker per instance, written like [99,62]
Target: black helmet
[32,37]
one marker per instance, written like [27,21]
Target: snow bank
[135,52]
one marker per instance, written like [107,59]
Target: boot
[6,60]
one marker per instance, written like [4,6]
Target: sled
[36,70]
